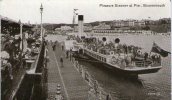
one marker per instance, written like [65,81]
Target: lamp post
[21,35]
[41,10]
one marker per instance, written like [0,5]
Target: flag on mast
[157,49]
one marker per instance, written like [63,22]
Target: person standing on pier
[61,61]
[67,54]
[54,46]
[62,47]
[70,54]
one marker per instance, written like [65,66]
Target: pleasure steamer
[123,59]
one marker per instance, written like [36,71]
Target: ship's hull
[115,69]
[79,56]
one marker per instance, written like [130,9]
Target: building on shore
[64,29]
[120,32]
[102,26]
[128,23]
[86,28]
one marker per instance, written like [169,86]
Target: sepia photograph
[85,49]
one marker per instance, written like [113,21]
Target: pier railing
[95,92]
[33,83]
[147,63]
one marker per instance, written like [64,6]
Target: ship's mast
[74,17]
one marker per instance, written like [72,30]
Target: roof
[12,26]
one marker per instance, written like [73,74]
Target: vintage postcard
[85,49]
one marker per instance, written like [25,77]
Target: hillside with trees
[159,26]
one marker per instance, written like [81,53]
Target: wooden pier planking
[72,84]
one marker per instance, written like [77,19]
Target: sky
[61,11]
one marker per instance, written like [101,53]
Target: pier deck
[73,86]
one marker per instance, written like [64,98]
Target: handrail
[142,63]
[29,73]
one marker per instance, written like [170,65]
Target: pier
[73,86]
[44,78]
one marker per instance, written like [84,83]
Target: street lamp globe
[41,8]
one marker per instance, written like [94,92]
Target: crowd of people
[14,55]
[131,52]
[11,55]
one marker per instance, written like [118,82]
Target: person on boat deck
[141,54]
[116,45]
[118,51]
[138,53]
[127,60]
[157,58]
[134,53]
[146,56]
[153,58]
[132,59]
[125,48]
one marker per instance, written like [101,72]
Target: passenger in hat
[146,56]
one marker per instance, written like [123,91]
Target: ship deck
[142,68]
